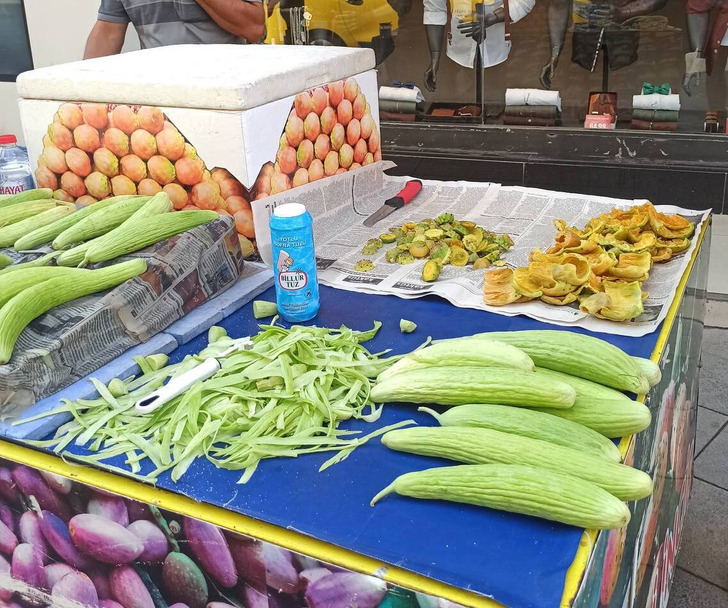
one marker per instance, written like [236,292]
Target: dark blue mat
[520,561]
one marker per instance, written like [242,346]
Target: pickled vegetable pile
[603,266]
[441,241]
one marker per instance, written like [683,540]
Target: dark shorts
[621,45]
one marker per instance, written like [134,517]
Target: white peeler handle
[177,386]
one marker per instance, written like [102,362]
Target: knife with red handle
[405,195]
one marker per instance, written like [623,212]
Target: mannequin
[595,21]
[709,46]
[481,27]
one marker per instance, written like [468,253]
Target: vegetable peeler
[176,386]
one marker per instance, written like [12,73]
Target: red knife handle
[411,189]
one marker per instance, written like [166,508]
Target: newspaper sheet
[527,214]
[332,203]
[75,339]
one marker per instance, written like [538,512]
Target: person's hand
[547,74]
[431,76]
[477,28]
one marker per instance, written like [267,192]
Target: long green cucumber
[576,354]
[529,423]
[486,446]
[518,489]
[460,385]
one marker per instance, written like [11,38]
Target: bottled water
[15,174]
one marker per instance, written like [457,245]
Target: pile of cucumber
[532,417]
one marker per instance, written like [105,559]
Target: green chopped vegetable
[5,260]
[444,241]
[372,246]
[419,249]
[117,388]
[391,255]
[263,308]
[431,270]
[285,396]
[157,362]
[364,266]
[407,327]
[217,333]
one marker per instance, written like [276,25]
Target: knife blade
[405,195]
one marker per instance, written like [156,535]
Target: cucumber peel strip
[284,397]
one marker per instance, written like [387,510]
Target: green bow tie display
[652,89]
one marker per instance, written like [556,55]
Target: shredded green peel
[157,362]
[215,334]
[117,388]
[285,396]
[263,308]
[407,327]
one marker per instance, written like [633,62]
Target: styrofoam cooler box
[215,126]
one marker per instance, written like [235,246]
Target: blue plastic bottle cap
[289,210]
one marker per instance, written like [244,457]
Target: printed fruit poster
[203,159]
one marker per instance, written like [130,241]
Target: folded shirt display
[396,116]
[656,115]
[656,102]
[401,107]
[533,97]
[646,125]
[401,94]
[550,112]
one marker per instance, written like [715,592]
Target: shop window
[597,54]
[15,54]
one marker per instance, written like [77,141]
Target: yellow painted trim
[575,573]
[295,541]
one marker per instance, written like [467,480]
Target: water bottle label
[288,279]
[9,187]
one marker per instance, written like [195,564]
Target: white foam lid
[289,210]
[215,76]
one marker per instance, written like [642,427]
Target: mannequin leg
[716,85]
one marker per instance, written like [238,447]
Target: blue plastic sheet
[520,561]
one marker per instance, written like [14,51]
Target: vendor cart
[299,537]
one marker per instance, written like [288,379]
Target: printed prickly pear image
[95,150]
[330,130]
[92,151]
